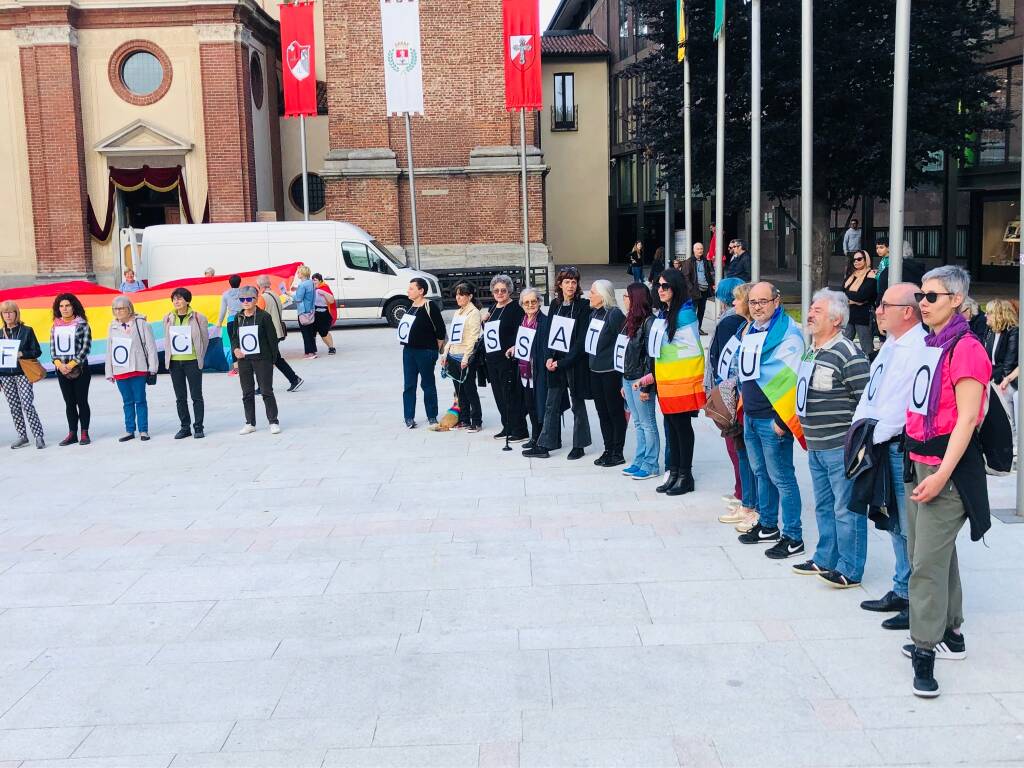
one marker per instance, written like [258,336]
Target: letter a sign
[522,55]
[297,56]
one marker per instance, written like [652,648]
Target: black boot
[683,485]
[924,673]
[900,621]
[672,478]
[600,460]
[615,458]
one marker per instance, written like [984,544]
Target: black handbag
[150,377]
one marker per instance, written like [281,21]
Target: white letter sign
[750,356]
[726,356]
[619,352]
[180,340]
[803,383]
[9,352]
[658,330]
[455,334]
[405,326]
[561,333]
[249,339]
[524,342]
[925,370]
[492,341]
[63,341]
[121,351]
[593,334]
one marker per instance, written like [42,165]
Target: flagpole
[755,140]
[897,178]
[305,175]
[412,190]
[806,154]
[526,211]
[720,239]
[687,168]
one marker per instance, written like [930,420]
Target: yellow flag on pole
[681,29]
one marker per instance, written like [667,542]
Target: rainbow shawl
[780,360]
[679,369]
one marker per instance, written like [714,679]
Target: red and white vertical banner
[403,59]
[522,54]
[298,60]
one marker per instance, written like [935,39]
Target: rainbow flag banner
[780,360]
[679,369]
[36,304]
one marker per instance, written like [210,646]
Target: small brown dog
[448,420]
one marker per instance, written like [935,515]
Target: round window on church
[141,73]
[256,80]
[317,200]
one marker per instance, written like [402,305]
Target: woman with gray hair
[132,363]
[254,346]
[530,363]
[606,321]
[500,327]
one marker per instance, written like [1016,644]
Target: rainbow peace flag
[36,304]
[780,360]
[679,369]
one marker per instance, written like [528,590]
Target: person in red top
[326,311]
[946,473]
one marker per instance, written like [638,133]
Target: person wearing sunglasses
[739,262]
[502,371]
[861,291]
[947,482]
[255,360]
[885,400]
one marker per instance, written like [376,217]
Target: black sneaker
[575,453]
[500,435]
[785,547]
[900,621]
[951,648]
[836,580]
[529,444]
[182,433]
[432,422]
[810,568]
[890,602]
[925,685]
[539,452]
[600,460]
[519,438]
[199,434]
[295,385]
[332,351]
[126,437]
[410,423]
[615,460]
[759,535]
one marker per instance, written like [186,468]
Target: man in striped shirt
[829,385]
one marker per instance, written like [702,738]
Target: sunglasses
[246,299]
[858,258]
[499,290]
[931,297]
[664,287]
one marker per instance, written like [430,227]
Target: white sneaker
[248,429]
[275,429]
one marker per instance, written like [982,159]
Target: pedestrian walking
[638,383]
[460,356]
[19,358]
[304,298]
[269,303]
[422,334]
[636,261]
[606,321]
[254,346]
[1001,347]
[501,324]
[186,338]
[861,289]
[132,363]
[700,278]
[325,310]
[70,345]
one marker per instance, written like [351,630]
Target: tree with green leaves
[853,81]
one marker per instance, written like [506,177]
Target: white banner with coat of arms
[403,62]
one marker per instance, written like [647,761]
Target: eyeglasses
[931,297]
[885,305]
[760,302]
[528,302]
[664,287]
[246,299]
[499,290]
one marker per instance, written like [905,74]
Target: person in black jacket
[566,371]
[637,368]
[255,360]
[1001,343]
[423,335]
[500,326]
[606,321]
[16,387]
[530,367]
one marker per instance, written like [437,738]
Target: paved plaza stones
[353,593]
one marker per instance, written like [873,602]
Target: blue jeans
[771,460]
[648,443]
[136,410]
[638,274]
[419,362]
[899,526]
[842,534]
[747,480]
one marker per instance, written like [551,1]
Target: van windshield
[401,262]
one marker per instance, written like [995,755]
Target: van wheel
[394,311]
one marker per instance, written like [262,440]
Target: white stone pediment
[141,137]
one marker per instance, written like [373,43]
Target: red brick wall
[230,158]
[52,97]
[371,203]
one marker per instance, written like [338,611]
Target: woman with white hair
[946,473]
[606,321]
[531,369]
[132,363]
[501,371]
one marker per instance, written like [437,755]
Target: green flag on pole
[719,17]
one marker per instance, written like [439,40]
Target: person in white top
[885,399]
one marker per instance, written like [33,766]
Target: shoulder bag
[150,377]
[32,369]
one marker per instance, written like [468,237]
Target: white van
[367,279]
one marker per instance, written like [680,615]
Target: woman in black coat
[532,373]
[500,327]
[1001,343]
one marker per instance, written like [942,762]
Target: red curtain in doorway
[131,179]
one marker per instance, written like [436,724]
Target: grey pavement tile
[610,567]
[973,745]
[290,759]
[442,728]
[291,734]
[215,650]
[101,625]
[451,756]
[455,642]
[153,739]
[416,683]
[135,761]
[95,655]
[430,573]
[31,590]
[151,694]
[798,749]
[697,752]
[15,685]
[358,645]
[1013,703]
[701,633]
[40,743]
[617,636]
[947,710]
[563,725]
[230,583]
[608,753]
[15,658]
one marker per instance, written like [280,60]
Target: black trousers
[308,338]
[282,365]
[508,394]
[679,434]
[76,399]
[251,373]
[466,392]
[611,408]
[702,305]
[530,404]
[187,378]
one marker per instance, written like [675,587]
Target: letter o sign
[119,353]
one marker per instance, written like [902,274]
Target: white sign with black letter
[593,334]
[658,330]
[750,356]
[63,341]
[249,339]
[524,342]
[726,356]
[405,327]
[561,333]
[180,340]
[619,352]
[873,391]
[121,351]
[925,370]
[9,353]
[458,326]
[803,384]
[492,341]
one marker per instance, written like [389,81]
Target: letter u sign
[63,341]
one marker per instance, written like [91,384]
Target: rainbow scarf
[679,369]
[36,304]
[780,360]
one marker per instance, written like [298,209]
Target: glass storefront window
[1000,233]
[626,169]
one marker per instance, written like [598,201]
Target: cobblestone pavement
[352,593]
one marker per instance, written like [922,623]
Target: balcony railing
[563,119]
